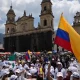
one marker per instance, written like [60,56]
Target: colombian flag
[68,38]
[27,56]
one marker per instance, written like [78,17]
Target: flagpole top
[62,14]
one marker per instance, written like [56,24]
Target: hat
[37,60]
[28,61]
[59,74]
[58,59]
[53,59]
[47,62]
[76,75]
[13,77]
[29,74]
[59,63]
[72,59]
[32,64]
[18,71]
[73,69]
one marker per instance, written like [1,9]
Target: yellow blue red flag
[68,38]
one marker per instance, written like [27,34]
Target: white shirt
[62,70]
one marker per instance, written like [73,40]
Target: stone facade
[21,35]
[76,23]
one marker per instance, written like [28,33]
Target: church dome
[11,11]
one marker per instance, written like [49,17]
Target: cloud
[68,7]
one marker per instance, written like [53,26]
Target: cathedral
[21,34]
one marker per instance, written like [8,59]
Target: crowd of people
[40,67]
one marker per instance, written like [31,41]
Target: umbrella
[49,52]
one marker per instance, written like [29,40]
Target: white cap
[58,59]
[72,59]
[59,74]
[32,64]
[53,59]
[48,62]
[28,60]
[59,63]
[37,60]
[76,75]
[13,77]
[73,69]
[18,71]
[29,74]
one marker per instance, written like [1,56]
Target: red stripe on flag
[63,43]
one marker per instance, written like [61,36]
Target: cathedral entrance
[34,43]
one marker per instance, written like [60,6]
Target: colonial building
[21,35]
[76,23]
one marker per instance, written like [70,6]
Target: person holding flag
[27,57]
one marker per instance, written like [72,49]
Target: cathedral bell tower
[46,17]
[10,23]
[10,28]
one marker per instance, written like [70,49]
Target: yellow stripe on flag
[73,35]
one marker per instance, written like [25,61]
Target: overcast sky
[68,7]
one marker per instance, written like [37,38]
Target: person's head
[37,61]
[59,76]
[18,72]
[72,59]
[32,65]
[53,59]
[76,76]
[69,73]
[59,65]
[29,75]
[11,72]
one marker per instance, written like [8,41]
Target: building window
[7,30]
[45,8]
[45,22]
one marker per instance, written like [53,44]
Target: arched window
[45,8]
[45,22]
[7,30]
